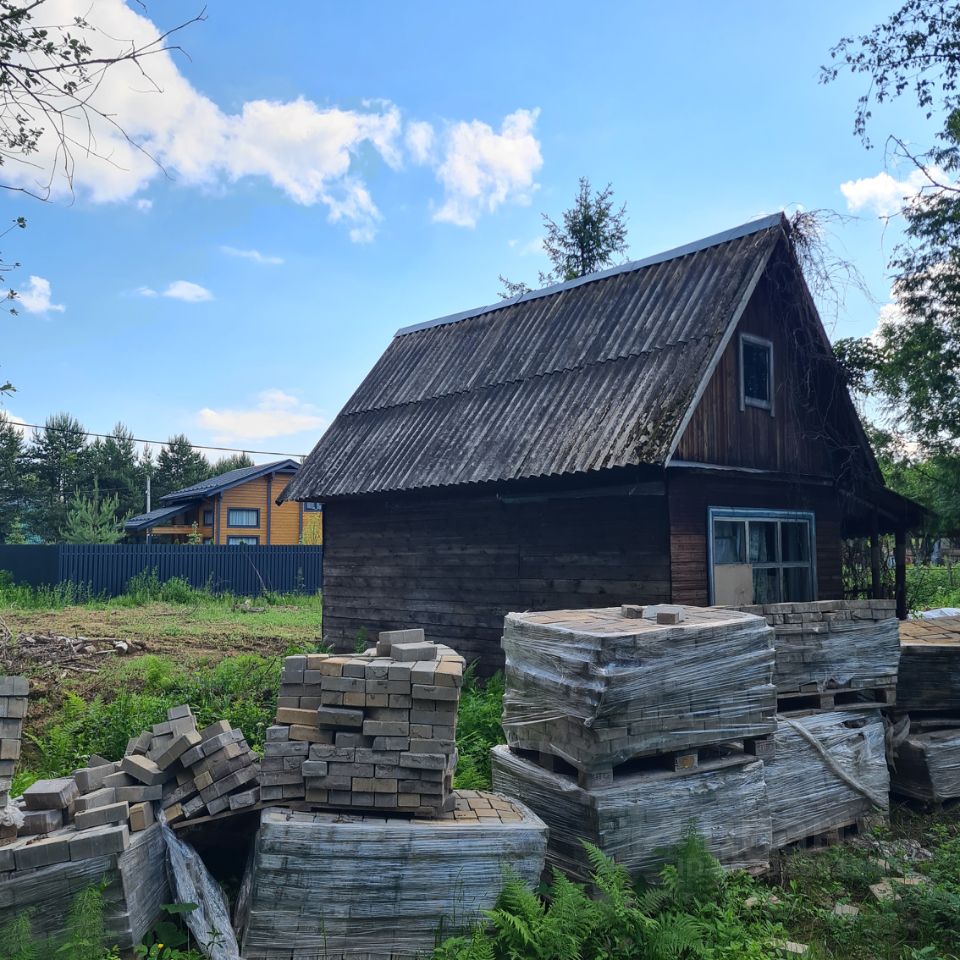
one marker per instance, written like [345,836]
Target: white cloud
[275,414]
[419,138]
[34,297]
[147,292]
[187,291]
[482,169]
[527,248]
[884,194]
[255,255]
[311,152]
[17,423]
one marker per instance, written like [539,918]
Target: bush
[478,729]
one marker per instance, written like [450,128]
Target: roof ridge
[541,375]
[725,236]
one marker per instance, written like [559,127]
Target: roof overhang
[877,507]
[155,517]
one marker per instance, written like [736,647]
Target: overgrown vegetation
[478,729]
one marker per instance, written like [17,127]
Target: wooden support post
[876,584]
[900,560]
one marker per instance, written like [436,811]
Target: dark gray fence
[244,570]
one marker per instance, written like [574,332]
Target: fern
[86,930]
[16,939]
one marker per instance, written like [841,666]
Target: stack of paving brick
[348,885]
[627,724]
[43,875]
[374,731]
[926,762]
[828,772]
[829,768]
[847,651]
[13,708]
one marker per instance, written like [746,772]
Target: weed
[478,729]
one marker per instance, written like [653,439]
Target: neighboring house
[671,429]
[238,507]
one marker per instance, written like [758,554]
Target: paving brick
[176,749]
[90,779]
[99,842]
[139,793]
[144,770]
[14,687]
[100,816]
[338,717]
[51,794]
[408,652]
[43,852]
[96,798]
[141,817]
[38,822]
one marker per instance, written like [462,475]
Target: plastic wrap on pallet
[829,770]
[329,885]
[927,766]
[641,815]
[136,890]
[833,643]
[597,689]
[929,678]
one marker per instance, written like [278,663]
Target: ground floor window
[761,556]
[236,541]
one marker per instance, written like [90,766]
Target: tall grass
[143,589]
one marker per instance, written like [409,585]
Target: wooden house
[674,428]
[235,508]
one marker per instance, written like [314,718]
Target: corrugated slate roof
[591,374]
[231,478]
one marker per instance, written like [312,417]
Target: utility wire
[162,443]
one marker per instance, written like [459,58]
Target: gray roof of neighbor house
[154,517]
[232,478]
[595,373]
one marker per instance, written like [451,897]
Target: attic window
[756,372]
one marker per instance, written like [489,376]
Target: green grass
[931,587]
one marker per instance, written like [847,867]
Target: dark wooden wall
[692,492]
[456,565]
[789,441]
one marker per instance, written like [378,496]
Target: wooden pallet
[676,761]
[826,838]
[841,698]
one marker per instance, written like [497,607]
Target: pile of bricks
[13,708]
[371,731]
[627,724]
[340,885]
[831,645]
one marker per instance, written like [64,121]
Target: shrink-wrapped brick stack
[374,731]
[836,668]
[13,708]
[43,875]
[846,650]
[828,771]
[338,885]
[926,764]
[625,725]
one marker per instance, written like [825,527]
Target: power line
[162,443]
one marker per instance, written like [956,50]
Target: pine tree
[114,464]
[92,519]
[235,461]
[60,465]
[591,237]
[178,465]
[11,477]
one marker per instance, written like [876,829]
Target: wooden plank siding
[720,432]
[455,565]
[691,493]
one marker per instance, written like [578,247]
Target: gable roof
[599,372]
[232,478]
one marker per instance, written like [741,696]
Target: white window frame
[751,513]
[243,526]
[746,401]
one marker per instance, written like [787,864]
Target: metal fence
[107,569]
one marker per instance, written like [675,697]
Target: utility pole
[148,502]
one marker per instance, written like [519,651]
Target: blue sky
[333,172]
